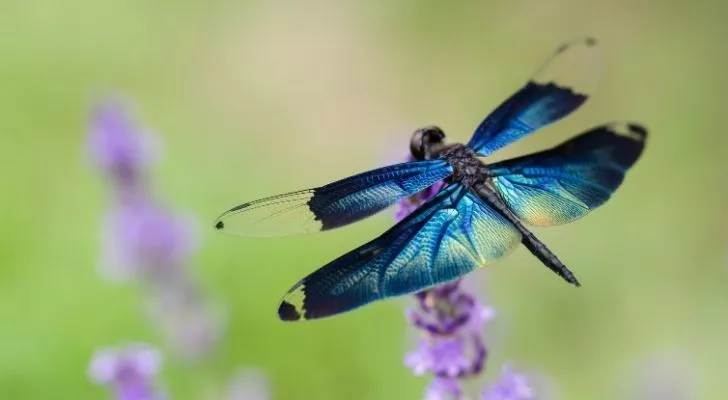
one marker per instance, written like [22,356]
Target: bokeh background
[255,98]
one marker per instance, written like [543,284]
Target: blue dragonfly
[479,215]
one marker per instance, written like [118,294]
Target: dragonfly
[481,213]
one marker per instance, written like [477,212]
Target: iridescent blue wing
[334,205]
[560,87]
[447,237]
[563,184]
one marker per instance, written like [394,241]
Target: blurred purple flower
[511,386]
[116,144]
[130,371]
[144,240]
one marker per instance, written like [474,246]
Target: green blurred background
[255,98]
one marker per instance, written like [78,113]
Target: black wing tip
[219,225]
[287,312]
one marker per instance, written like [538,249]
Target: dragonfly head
[427,142]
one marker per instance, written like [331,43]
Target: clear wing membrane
[334,205]
[449,236]
[563,184]
[560,87]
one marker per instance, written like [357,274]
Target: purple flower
[511,386]
[116,144]
[144,240]
[451,321]
[130,371]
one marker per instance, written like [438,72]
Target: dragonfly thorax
[466,166]
[429,143]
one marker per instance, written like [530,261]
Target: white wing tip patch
[629,130]
[272,216]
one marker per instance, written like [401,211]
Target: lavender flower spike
[146,241]
[130,372]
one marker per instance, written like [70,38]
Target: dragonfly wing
[563,184]
[560,87]
[334,205]
[447,237]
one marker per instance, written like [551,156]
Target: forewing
[447,237]
[560,87]
[563,184]
[334,205]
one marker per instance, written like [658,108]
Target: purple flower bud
[130,371]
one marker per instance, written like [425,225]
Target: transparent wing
[447,237]
[560,87]
[334,205]
[563,184]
